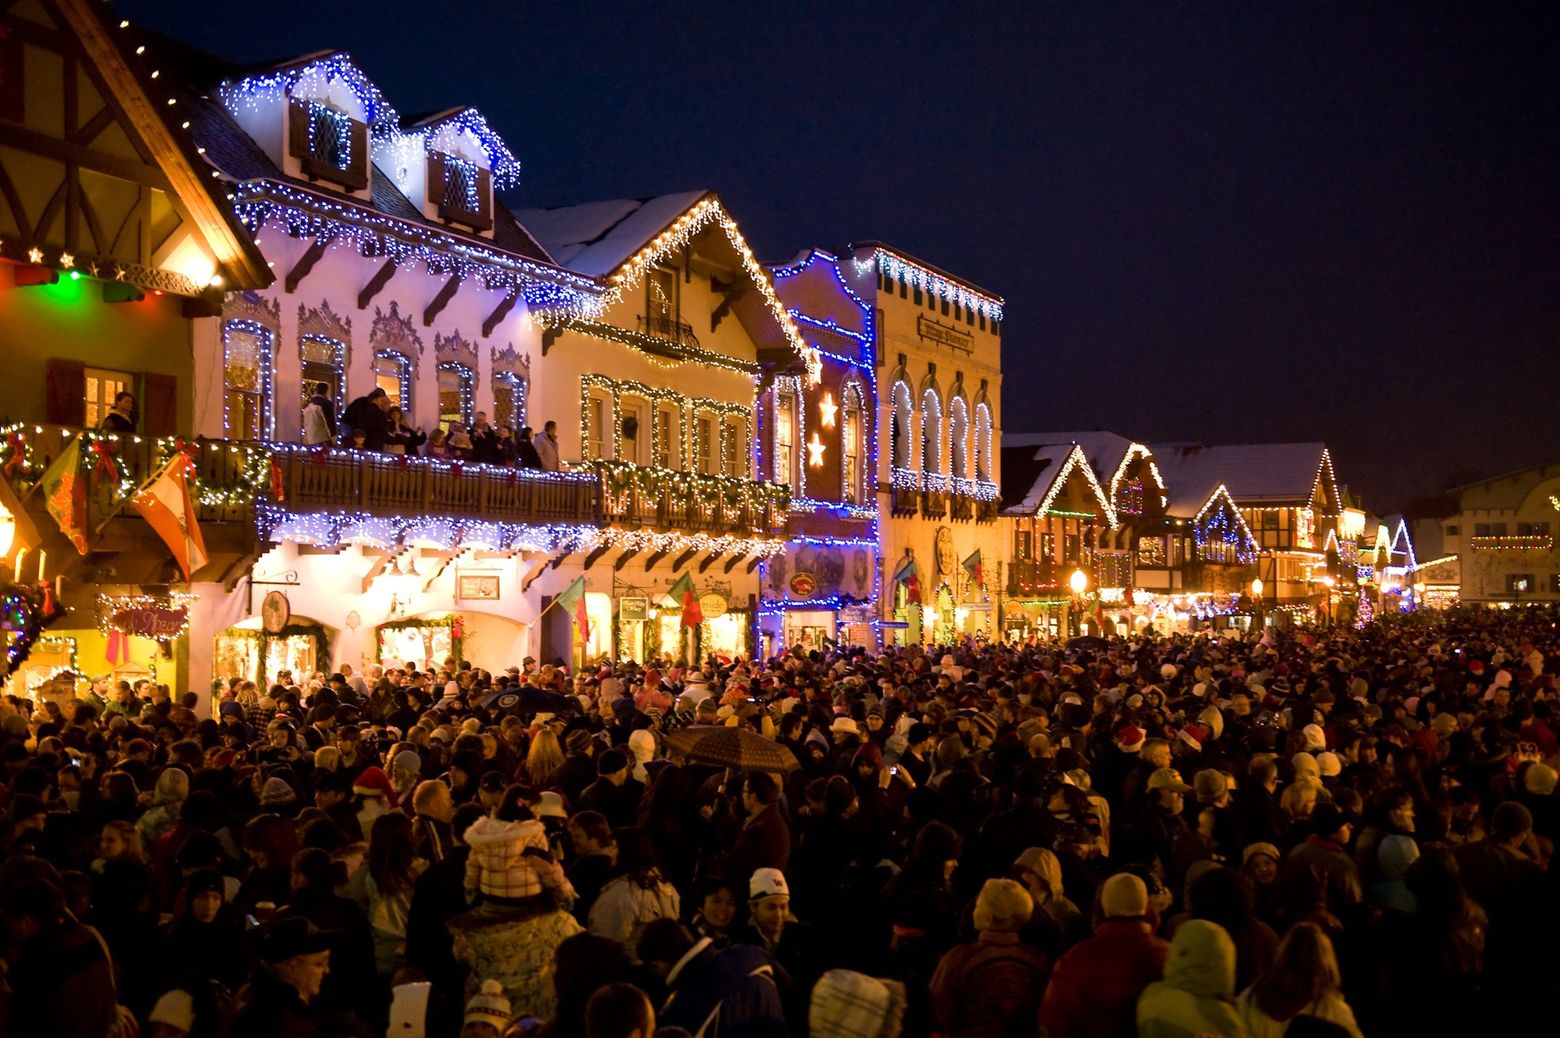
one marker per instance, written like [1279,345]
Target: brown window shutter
[356,176]
[436,179]
[65,393]
[159,404]
[484,213]
[297,127]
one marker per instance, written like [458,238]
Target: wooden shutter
[65,393]
[355,176]
[436,180]
[298,127]
[484,213]
[159,404]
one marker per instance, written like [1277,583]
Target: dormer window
[329,144]
[461,190]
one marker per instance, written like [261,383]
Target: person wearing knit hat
[847,1004]
[970,998]
[488,1012]
[277,795]
[1328,765]
[1095,986]
[1315,738]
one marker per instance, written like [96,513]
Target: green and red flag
[682,593]
[910,576]
[65,495]
[972,566]
[572,601]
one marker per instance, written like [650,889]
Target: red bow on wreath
[278,486]
[403,461]
[18,460]
[458,467]
[189,451]
[319,456]
[105,460]
[514,477]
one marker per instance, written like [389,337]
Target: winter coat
[386,916]
[624,907]
[730,993]
[546,451]
[763,843]
[1196,998]
[1330,1007]
[989,988]
[511,860]
[1095,987]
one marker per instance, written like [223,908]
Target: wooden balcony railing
[387,484]
[691,502]
[227,475]
[1028,578]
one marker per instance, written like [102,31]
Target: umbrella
[735,748]
[532,700]
[1087,641]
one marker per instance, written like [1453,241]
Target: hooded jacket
[1196,998]
[1095,987]
[510,860]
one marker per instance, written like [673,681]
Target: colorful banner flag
[65,495]
[165,503]
[972,566]
[910,576]
[682,593]
[572,601]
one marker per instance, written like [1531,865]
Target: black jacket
[364,414]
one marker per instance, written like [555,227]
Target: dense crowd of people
[1318,832]
[373,422]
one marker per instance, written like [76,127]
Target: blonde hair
[130,836]
[544,759]
[1305,970]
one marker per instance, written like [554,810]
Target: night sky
[1234,223]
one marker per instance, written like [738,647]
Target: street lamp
[1328,583]
[1256,598]
[1079,582]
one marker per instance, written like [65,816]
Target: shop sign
[156,622]
[712,605]
[803,584]
[635,607]
[275,611]
[478,587]
[946,335]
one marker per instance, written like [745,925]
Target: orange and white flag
[166,506]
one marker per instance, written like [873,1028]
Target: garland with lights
[463,373]
[685,490]
[1511,542]
[656,346]
[170,611]
[898,268]
[688,407]
[265,348]
[330,529]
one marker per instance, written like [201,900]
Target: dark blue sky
[1234,222]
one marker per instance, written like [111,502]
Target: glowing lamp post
[1256,598]
[1079,583]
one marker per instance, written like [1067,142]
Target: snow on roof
[597,238]
[1253,472]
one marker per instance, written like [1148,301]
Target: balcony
[1031,578]
[904,492]
[691,502]
[680,332]
[1517,542]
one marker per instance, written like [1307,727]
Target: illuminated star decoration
[828,408]
[815,452]
[35,255]
[67,260]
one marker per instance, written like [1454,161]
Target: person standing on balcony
[370,414]
[546,444]
[121,417]
[526,456]
[484,440]
[399,437]
[319,417]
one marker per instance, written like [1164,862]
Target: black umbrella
[532,701]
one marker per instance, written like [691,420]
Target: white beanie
[1315,738]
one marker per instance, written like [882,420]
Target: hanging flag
[572,601]
[682,594]
[165,503]
[65,495]
[910,576]
[972,566]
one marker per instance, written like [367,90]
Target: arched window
[455,405]
[958,439]
[323,362]
[983,442]
[509,400]
[899,427]
[247,350]
[931,433]
[393,374]
[852,441]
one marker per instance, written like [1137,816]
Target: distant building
[1503,537]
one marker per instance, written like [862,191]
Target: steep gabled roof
[1032,477]
[618,241]
[1255,473]
[1108,453]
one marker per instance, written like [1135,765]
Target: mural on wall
[808,572]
